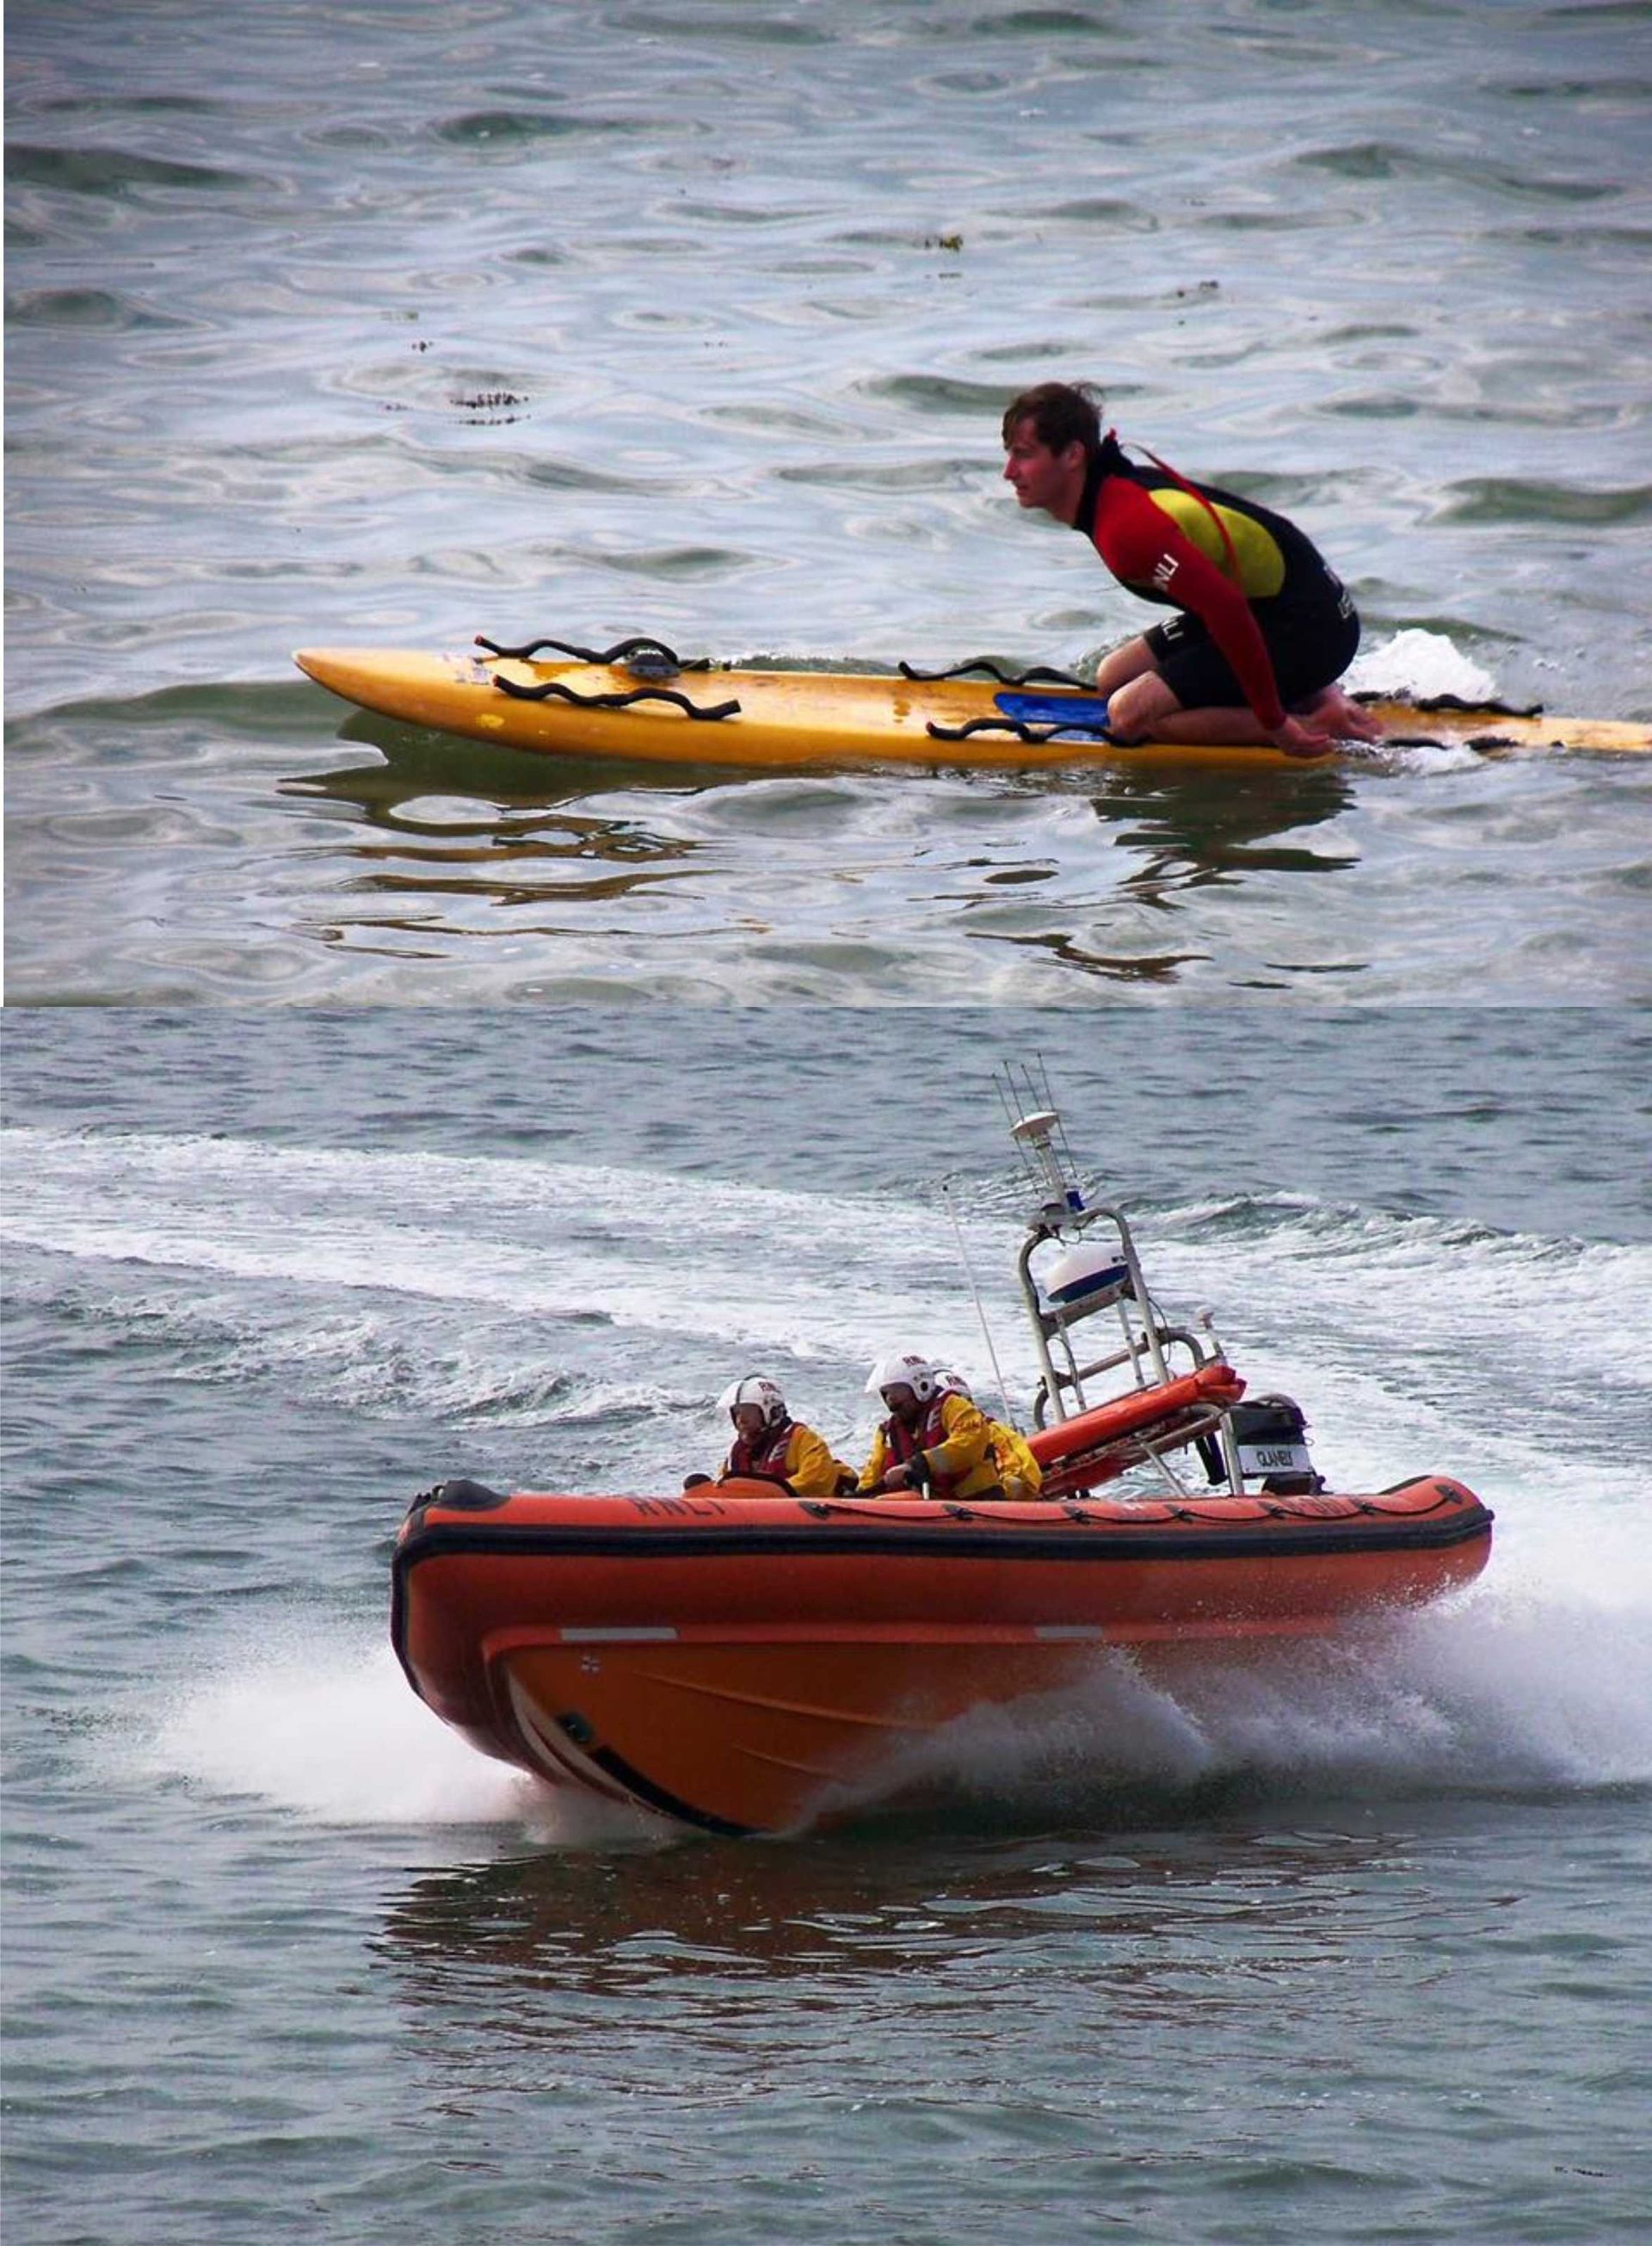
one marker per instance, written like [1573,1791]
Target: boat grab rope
[1075,728]
[1484,744]
[638,654]
[1040,675]
[644,658]
[1207,1512]
[1266,1505]
[1434,705]
[549,687]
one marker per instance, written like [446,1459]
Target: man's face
[748,1419]
[1039,477]
[903,1401]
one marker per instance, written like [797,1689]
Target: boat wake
[1497,1694]
[1415,665]
[327,1732]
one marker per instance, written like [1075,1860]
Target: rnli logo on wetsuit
[1163,571]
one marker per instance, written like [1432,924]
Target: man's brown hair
[1061,413]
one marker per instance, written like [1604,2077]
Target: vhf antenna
[1035,1127]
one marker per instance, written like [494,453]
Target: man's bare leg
[1130,661]
[1146,709]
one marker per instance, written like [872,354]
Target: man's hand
[1299,740]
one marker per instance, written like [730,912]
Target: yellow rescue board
[783,720]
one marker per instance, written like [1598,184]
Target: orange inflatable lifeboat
[742,1660]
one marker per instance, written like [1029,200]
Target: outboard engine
[1270,1435]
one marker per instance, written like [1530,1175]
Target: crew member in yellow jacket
[770,1445]
[1019,1473]
[936,1439]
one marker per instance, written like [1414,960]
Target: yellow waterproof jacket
[956,1440]
[1019,1473]
[806,1462]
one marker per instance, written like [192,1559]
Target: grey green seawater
[366,323]
[1351,1942]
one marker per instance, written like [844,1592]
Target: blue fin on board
[1085,712]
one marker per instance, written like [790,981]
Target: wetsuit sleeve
[871,1473]
[1141,545]
[968,1439]
[810,1468]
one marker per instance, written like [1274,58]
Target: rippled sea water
[374,1106]
[370,324]
[1351,1943]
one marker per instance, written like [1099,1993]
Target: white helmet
[949,1383]
[914,1372]
[755,1388]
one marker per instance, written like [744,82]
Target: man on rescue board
[1265,627]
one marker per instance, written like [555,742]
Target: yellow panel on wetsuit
[1261,566]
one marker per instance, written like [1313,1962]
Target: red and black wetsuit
[1264,621]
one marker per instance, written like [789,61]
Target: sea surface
[1355,1945]
[375,1107]
[375,323]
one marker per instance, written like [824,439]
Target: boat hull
[743,1661]
[790,720]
